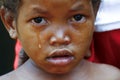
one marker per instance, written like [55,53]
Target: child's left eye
[78,18]
[39,21]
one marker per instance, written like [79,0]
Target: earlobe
[8,21]
[12,33]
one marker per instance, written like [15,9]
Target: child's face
[56,34]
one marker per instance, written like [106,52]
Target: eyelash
[39,21]
[78,18]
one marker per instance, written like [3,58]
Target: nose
[60,38]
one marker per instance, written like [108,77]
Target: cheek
[29,40]
[82,39]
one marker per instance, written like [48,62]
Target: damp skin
[44,28]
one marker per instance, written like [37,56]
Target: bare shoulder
[8,76]
[107,72]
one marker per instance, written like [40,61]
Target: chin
[59,71]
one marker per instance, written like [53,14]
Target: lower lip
[62,61]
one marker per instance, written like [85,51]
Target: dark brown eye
[39,21]
[77,18]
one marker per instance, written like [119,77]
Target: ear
[9,21]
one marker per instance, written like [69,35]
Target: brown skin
[59,23]
[43,26]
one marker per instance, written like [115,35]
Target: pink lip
[60,57]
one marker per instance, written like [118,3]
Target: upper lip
[60,53]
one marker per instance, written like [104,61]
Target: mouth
[60,57]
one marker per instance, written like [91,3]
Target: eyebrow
[78,6]
[37,9]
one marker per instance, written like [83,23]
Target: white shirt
[108,17]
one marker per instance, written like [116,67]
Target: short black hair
[13,5]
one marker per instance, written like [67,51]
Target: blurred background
[7,51]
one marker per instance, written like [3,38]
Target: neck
[32,72]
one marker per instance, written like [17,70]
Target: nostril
[67,40]
[53,40]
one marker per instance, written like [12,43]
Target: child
[56,35]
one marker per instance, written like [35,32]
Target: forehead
[55,3]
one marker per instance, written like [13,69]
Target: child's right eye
[39,21]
